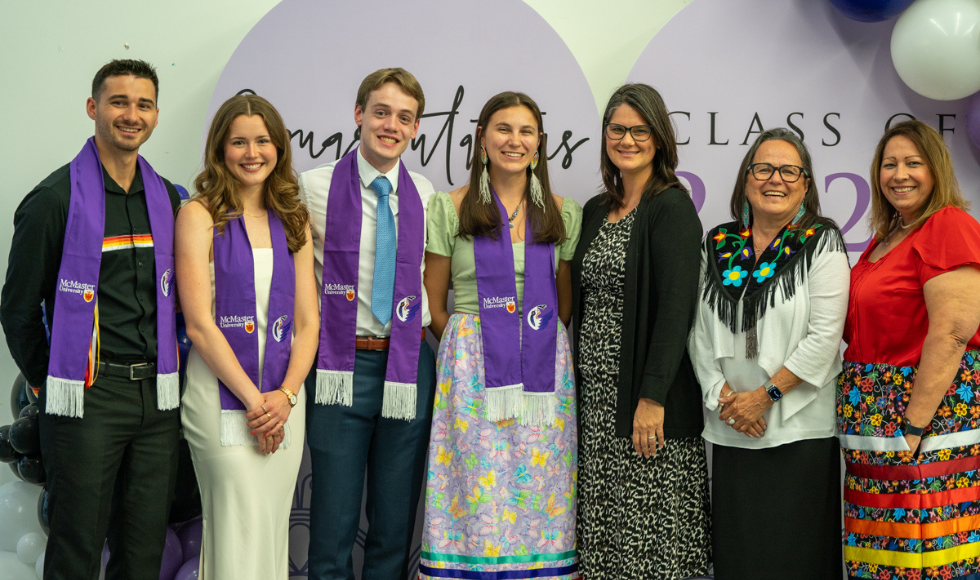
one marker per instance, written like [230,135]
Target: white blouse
[803,334]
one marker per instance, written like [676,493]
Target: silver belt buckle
[132,370]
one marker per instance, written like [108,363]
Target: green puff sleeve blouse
[443,224]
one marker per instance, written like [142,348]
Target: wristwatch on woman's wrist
[773,391]
[911,429]
[289,396]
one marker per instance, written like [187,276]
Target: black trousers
[109,474]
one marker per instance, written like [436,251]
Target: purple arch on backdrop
[308,57]
[824,76]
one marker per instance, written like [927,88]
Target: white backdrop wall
[829,78]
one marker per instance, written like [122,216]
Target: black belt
[133,372]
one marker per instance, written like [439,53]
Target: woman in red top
[908,402]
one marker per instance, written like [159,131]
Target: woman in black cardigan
[643,492]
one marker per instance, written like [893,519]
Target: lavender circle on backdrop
[728,69]
[308,58]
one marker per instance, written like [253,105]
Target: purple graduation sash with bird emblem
[75,329]
[235,315]
[518,351]
[338,303]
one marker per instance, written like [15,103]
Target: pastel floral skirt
[910,516]
[500,497]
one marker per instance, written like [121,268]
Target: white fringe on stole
[64,397]
[234,429]
[504,402]
[168,391]
[334,387]
[399,401]
[539,409]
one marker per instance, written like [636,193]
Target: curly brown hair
[217,188]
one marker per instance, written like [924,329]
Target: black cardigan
[663,261]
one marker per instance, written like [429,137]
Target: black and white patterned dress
[638,518]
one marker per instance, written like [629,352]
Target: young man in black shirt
[108,440]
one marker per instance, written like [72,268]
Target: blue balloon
[871,10]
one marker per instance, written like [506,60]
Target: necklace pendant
[511,225]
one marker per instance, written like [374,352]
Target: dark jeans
[111,472]
[343,442]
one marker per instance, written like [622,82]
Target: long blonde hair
[217,188]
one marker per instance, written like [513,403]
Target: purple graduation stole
[338,304]
[75,330]
[235,314]
[518,354]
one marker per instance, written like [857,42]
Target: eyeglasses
[764,171]
[638,132]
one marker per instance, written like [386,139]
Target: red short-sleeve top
[886,316]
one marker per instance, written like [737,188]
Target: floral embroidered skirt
[910,516]
[499,497]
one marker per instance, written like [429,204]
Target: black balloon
[18,396]
[30,410]
[30,394]
[187,496]
[25,437]
[31,470]
[7,452]
[43,512]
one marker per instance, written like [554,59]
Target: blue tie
[384,254]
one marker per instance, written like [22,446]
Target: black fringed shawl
[732,274]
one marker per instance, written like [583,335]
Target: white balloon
[30,546]
[936,48]
[39,567]
[11,568]
[18,513]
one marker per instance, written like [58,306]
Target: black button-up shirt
[127,277]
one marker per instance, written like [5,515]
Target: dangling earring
[485,178]
[799,214]
[537,192]
[746,216]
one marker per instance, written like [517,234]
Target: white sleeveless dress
[246,497]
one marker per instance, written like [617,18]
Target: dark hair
[480,219]
[217,188]
[125,67]
[811,199]
[399,76]
[648,103]
[945,190]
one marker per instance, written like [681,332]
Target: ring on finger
[731,420]
[268,415]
